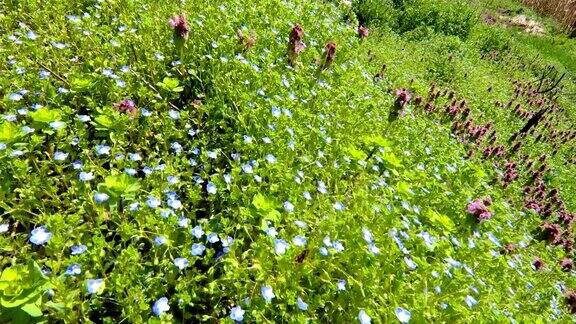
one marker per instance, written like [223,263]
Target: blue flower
[212,238]
[100,197]
[211,188]
[134,206]
[341,285]
[411,264]
[176,147]
[160,306]
[301,304]
[280,246]
[403,315]
[130,171]
[94,286]
[31,35]
[288,206]
[324,251]
[276,112]
[373,249]
[56,125]
[247,168]
[267,293]
[181,263]
[172,180]
[15,96]
[198,249]
[237,314]
[197,231]
[83,118]
[174,114]
[78,249]
[183,222]
[299,240]
[145,112]
[159,240]
[363,318]
[338,206]
[73,270]
[102,149]
[60,156]
[270,158]
[4,227]
[40,235]
[174,204]
[153,202]
[470,301]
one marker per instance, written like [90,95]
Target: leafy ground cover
[289,161]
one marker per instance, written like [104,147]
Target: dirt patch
[529,26]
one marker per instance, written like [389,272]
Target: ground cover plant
[289,161]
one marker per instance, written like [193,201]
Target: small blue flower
[247,168]
[145,112]
[15,96]
[174,204]
[363,318]
[4,227]
[299,240]
[31,35]
[267,293]
[176,147]
[403,315]
[83,118]
[324,251]
[60,156]
[280,246]
[174,114]
[181,263]
[94,286]
[183,222]
[102,149]
[40,235]
[338,206]
[159,240]
[73,270]
[288,206]
[197,231]
[56,125]
[470,301]
[85,176]
[198,249]
[100,197]
[130,171]
[212,238]
[270,158]
[211,188]
[78,249]
[172,180]
[237,314]
[341,285]
[153,202]
[301,304]
[134,206]
[43,74]
[160,306]
[411,264]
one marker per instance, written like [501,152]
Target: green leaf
[9,132]
[262,203]
[81,84]
[32,310]
[440,220]
[121,185]
[45,115]
[355,153]
[391,159]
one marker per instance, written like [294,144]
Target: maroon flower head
[180,25]
[479,210]
[126,106]
[329,54]
[570,298]
[552,233]
[296,34]
[403,96]
[363,32]
[566,264]
[538,264]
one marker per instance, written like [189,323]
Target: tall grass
[562,10]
